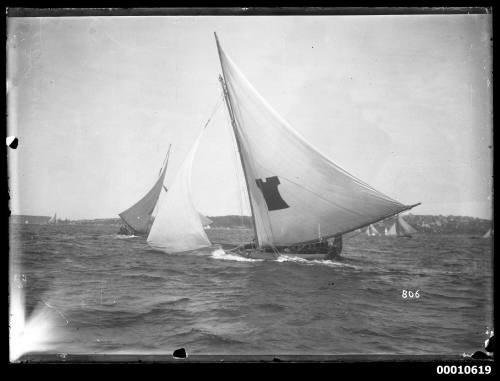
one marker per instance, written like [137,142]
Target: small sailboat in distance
[372,231]
[488,234]
[138,218]
[401,228]
[53,219]
[293,188]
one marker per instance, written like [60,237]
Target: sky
[402,102]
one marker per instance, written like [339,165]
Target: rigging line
[214,110]
[244,191]
[236,135]
[250,162]
[241,189]
[236,155]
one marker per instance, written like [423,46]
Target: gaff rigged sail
[178,226]
[400,228]
[292,187]
[139,216]
[404,227]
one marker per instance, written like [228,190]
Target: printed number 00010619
[467,369]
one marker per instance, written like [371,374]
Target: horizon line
[238,215]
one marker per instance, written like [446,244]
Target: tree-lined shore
[427,224]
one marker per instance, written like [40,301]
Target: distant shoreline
[427,224]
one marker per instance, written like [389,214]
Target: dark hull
[320,250]
[126,230]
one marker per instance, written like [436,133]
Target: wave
[123,236]
[221,254]
[273,307]
[115,316]
[173,302]
[324,262]
[144,277]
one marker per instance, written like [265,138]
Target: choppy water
[108,293]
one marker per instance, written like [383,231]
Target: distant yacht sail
[392,230]
[138,217]
[487,234]
[53,219]
[372,232]
[404,227]
[401,228]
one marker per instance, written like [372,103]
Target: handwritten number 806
[410,294]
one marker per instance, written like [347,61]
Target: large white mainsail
[178,226]
[139,216]
[293,188]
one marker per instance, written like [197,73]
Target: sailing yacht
[401,228]
[372,231]
[53,219]
[138,218]
[293,188]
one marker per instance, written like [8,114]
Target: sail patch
[269,189]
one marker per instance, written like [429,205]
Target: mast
[233,124]
[227,99]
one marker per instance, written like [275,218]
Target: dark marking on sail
[164,187]
[271,194]
[179,353]
[12,142]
